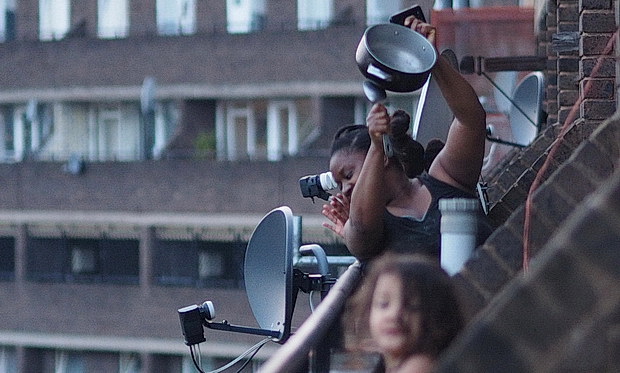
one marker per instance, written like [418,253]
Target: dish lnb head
[191,318]
[207,310]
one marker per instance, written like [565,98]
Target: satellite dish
[268,271]
[526,113]
[433,116]
[506,81]
[271,283]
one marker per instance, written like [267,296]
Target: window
[176,17]
[262,129]
[282,132]
[108,134]
[7,20]
[54,19]
[112,19]
[8,359]
[46,259]
[119,261]
[314,14]
[166,120]
[210,264]
[7,147]
[407,102]
[220,264]
[243,16]
[237,132]
[129,363]
[7,264]
[199,263]
[83,260]
[379,11]
[24,130]
[64,131]
[69,362]
[114,133]
[176,263]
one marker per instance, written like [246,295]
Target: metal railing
[294,353]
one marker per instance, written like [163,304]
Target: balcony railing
[311,335]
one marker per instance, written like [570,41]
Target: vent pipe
[459,227]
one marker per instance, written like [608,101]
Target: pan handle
[378,73]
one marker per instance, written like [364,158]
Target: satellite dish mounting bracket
[228,327]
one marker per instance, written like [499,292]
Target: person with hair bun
[392,204]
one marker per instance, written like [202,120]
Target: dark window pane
[120,261]
[176,263]
[47,259]
[7,258]
[200,263]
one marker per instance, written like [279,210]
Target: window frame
[246,16]
[172,21]
[314,14]
[116,13]
[54,19]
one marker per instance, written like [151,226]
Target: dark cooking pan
[395,57]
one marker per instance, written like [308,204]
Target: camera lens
[318,185]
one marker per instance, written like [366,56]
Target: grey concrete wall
[182,186]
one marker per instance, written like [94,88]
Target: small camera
[318,185]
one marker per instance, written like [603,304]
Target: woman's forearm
[364,228]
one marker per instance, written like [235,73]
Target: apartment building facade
[140,144]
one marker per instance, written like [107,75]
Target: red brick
[605,66]
[597,164]
[607,137]
[594,44]
[499,214]
[568,26]
[568,81]
[552,118]
[597,21]
[568,13]
[472,298]
[598,88]
[597,109]
[487,273]
[564,113]
[552,109]
[580,131]
[568,63]
[596,4]
[568,98]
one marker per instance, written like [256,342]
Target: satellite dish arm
[194,317]
[503,142]
[226,326]
[319,254]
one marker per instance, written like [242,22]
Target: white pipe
[458,232]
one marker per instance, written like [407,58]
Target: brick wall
[581,88]
[563,314]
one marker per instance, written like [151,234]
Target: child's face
[394,321]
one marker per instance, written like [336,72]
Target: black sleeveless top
[410,235]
